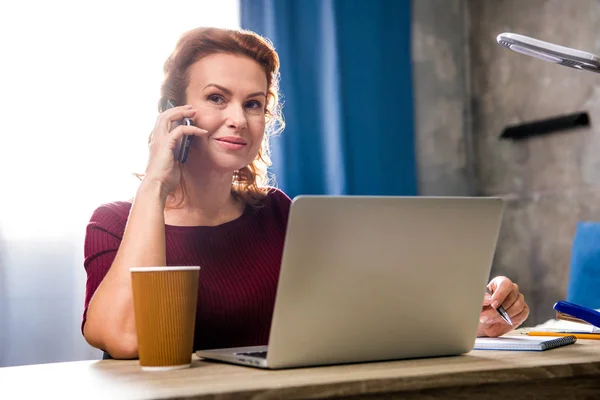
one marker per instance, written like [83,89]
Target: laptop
[376,278]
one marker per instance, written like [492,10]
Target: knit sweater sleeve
[103,236]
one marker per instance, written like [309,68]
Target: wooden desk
[568,372]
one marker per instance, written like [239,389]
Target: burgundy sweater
[239,267]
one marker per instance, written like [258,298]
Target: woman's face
[229,93]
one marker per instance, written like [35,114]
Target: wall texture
[549,182]
[441,85]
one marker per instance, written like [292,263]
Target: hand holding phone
[183,145]
[169,143]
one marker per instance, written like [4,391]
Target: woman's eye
[254,104]
[215,98]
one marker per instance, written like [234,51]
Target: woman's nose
[236,118]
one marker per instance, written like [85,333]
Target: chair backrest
[584,274]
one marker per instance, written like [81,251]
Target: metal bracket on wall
[546,126]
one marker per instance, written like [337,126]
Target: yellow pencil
[578,335]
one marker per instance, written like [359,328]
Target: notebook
[523,343]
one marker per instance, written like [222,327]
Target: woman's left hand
[505,293]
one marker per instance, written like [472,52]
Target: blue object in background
[584,275]
[346,77]
[580,312]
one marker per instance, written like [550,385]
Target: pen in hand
[501,310]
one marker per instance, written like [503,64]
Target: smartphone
[183,145]
[550,52]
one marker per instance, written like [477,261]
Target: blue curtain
[348,101]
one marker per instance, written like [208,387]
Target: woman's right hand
[162,167]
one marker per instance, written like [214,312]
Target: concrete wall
[441,80]
[549,182]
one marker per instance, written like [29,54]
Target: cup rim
[163,268]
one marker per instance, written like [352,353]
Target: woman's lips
[232,142]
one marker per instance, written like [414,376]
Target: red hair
[249,183]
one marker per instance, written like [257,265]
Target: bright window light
[79,85]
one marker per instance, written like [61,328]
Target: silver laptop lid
[376,278]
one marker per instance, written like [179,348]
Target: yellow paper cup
[164,302]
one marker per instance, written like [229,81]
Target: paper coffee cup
[164,302]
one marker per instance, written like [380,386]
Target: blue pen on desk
[501,311]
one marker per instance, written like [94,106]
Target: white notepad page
[525,343]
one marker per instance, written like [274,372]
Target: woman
[216,209]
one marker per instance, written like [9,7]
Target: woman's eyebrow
[229,93]
[256,94]
[224,89]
